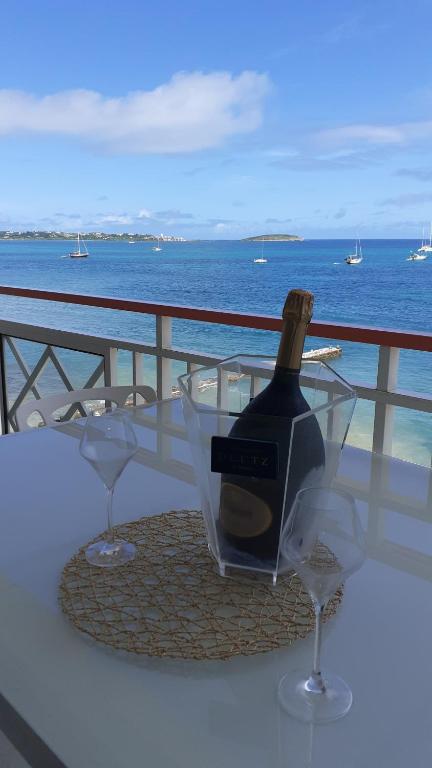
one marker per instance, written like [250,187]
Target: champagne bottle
[252,505]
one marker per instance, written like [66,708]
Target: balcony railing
[385,396]
[169,453]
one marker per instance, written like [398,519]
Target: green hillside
[260,238]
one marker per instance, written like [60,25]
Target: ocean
[385,290]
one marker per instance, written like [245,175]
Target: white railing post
[138,368]
[137,372]
[193,383]
[256,385]
[110,367]
[223,390]
[388,366]
[163,364]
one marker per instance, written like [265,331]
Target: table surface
[93,708]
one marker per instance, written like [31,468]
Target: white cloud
[227,226]
[144,213]
[192,111]
[115,219]
[368,134]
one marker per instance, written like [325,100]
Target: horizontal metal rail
[343,332]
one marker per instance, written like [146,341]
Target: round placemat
[170,601]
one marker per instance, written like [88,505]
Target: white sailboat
[425,247]
[157,247]
[80,253]
[261,259]
[357,257]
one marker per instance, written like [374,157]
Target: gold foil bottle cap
[299,305]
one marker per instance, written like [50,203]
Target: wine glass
[108,442]
[325,543]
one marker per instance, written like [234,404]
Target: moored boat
[357,257]
[425,247]
[261,259]
[417,256]
[79,253]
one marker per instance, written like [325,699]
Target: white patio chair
[47,407]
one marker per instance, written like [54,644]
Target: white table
[69,702]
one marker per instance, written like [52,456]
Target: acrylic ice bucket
[213,400]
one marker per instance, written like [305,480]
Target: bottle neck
[280,372]
[291,344]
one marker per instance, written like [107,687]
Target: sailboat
[425,247]
[157,247]
[357,257]
[79,254]
[261,259]
[423,251]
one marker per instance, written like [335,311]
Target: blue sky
[217,119]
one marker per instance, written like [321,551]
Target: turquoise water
[385,290]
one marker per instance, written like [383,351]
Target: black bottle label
[240,456]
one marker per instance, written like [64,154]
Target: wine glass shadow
[297,743]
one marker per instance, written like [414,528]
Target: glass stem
[110,532]
[316,672]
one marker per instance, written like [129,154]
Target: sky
[217,120]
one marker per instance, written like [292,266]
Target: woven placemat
[171,602]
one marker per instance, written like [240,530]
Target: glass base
[313,700]
[108,554]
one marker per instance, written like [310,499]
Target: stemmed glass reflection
[325,544]
[108,442]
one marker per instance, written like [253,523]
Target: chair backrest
[47,406]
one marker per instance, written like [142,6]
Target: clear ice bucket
[213,399]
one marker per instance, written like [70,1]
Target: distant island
[128,236]
[261,238]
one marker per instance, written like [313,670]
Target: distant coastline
[123,236]
[266,238]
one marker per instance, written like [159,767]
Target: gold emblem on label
[242,513]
